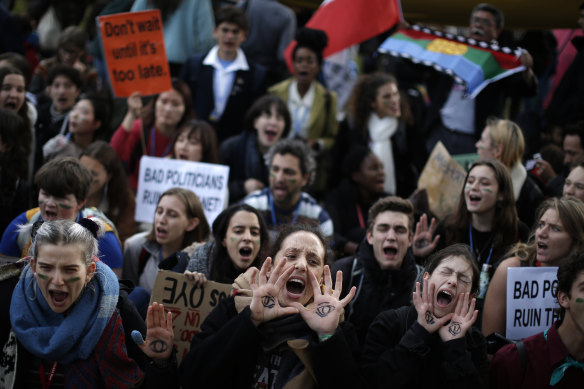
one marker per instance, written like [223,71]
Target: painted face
[485,148]
[305,65]
[188,146]
[12,92]
[572,149]
[552,240]
[286,180]
[483,26]
[574,303]
[387,101]
[390,238]
[61,274]
[451,278]
[242,239]
[229,37]
[269,126]
[82,118]
[481,191]
[304,251]
[371,175]
[58,208]
[171,221]
[63,92]
[99,176]
[170,108]
[574,184]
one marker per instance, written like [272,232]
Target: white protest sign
[531,300]
[207,180]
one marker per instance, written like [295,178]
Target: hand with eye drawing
[423,301]
[264,303]
[323,315]
[159,335]
[463,318]
[423,244]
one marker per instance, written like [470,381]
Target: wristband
[324,338]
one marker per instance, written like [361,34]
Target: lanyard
[44,384]
[273,210]
[472,245]
[299,121]
[360,216]
[153,144]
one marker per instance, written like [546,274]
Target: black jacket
[248,85]
[226,351]
[377,290]
[398,350]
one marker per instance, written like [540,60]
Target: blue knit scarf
[57,337]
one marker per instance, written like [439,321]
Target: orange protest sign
[133,47]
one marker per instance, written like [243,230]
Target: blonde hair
[509,136]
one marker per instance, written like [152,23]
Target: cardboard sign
[442,178]
[189,305]
[133,48]
[531,300]
[208,181]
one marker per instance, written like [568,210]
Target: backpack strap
[522,357]
[142,259]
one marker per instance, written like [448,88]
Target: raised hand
[323,316]
[424,303]
[264,303]
[463,318]
[423,244]
[135,104]
[198,279]
[159,334]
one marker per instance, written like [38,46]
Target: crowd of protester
[342,276]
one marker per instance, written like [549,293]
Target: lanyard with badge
[485,277]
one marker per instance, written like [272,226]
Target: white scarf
[380,131]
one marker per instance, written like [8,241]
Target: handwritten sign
[189,305]
[442,178]
[531,300]
[133,47]
[207,180]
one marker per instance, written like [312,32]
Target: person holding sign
[432,343]
[150,131]
[179,221]
[485,219]
[66,329]
[559,232]
[555,357]
[282,328]
[240,239]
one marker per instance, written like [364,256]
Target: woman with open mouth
[282,328]
[195,141]
[265,123]
[179,221]
[240,239]
[66,327]
[87,121]
[431,343]
[559,233]
[312,107]
[485,219]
